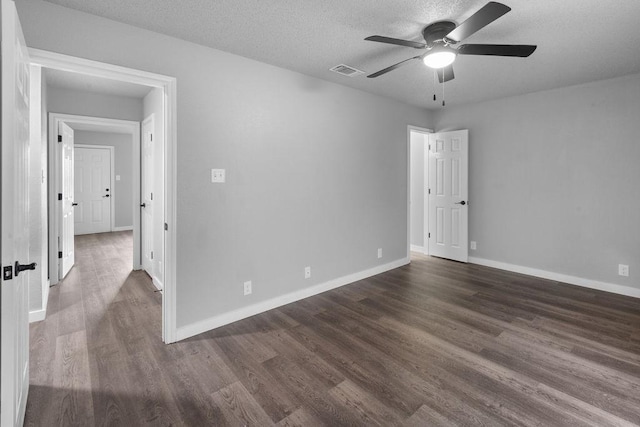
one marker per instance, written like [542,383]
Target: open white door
[448,194]
[92,190]
[14,243]
[66,245]
[147,208]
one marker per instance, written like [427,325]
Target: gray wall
[67,101]
[316,172]
[417,141]
[554,178]
[123,192]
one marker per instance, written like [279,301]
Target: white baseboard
[125,228]
[37,315]
[573,280]
[41,314]
[416,248]
[157,283]
[244,312]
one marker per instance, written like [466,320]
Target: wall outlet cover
[379,252]
[218,176]
[623,270]
[307,272]
[472,245]
[247,288]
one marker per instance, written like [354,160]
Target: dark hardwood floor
[433,343]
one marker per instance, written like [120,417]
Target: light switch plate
[218,175]
[117,177]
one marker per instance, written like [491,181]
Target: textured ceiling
[578,40]
[85,83]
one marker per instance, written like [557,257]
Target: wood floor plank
[433,343]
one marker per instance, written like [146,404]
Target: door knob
[74,204]
[461,203]
[143,205]
[106,196]
[22,267]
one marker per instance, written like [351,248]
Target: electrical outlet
[472,245]
[623,270]
[247,288]
[379,252]
[218,175]
[307,272]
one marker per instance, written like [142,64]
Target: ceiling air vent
[345,70]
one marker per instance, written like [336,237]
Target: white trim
[37,315]
[74,64]
[558,277]
[425,198]
[123,228]
[112,177]
[157,283]
[410,129]
[169,322]
[169,86]
[260,307]
[416,248]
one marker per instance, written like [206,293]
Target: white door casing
[147,205]
[448,194]
[170,332]
[67,221]
[14,243]
[93,193]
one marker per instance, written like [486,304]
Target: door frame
[120,126]
[168,84]
[418,129]
[112,179]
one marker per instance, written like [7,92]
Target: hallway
[99,318]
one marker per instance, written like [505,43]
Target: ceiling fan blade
[393,67]
[445,74]
[489,13]
[519,50]
[398,42]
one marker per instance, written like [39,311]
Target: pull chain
[443,87]
[434,85]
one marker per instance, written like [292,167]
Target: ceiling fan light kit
[439,57]
[441,37]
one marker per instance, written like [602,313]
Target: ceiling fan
[441,36]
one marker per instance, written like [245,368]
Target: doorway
[438,193]
[418,140]
[166,87]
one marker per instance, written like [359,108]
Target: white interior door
[147,207]
[448,194]
[92,190]
[14,243]
[66,245]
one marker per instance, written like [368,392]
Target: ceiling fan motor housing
[437,31]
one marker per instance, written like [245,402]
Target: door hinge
[151,196]
[59,254]
[429,235]
[151,254]
[7,272]
[429,147]
[59,138]
[151,137]
[429,191]
[166,226]
[59,196]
